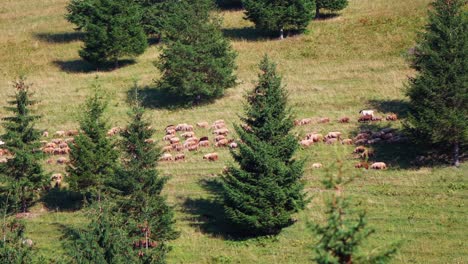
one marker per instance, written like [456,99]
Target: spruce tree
[12,247]
[149,218]
[23,175]
[229,3]
[113,31]
[265,189]
[439,92]
[197,62]
[93,157]
[80,12]
[331,5]
[153,16]
[342,236]
[281,15]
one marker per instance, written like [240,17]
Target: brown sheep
[376,118]
[174,140]
[171,132]
[63,145]
[391,117]
[360,149]
[178,147]
[167,148]
[193,147]
[72,132]
[324,120]
[347,141]
[365,118]
[204,139]
[222,143]
[315,137]
[187,134]
[344,120]
[360,165]
[378,166]
[62,160]
[335,134]
[57,141]
[367,153]
[180,156]
[168,137]
[211,157]
[48,150]
[170,128]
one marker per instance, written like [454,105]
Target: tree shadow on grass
[326,16]
[82,66]
[64,37]
[246,33]
[398,107]
[62,200]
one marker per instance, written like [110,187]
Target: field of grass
[343,64]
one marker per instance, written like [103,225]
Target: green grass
[340,66]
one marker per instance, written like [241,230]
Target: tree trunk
[317,12]
[456,154]
[281,34]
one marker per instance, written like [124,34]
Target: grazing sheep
[367,113]
[324,120]
[174,140]
[180,156]
[72,132]
[48,150]
[360,141]
[3,160]
[166,157]
[203,124]
[315,137]
[168,137]
[336,135]
[193,147]
[222,143]
[190,143]
[360,165]
[302,122]
[376,118]
[391,117]
[378,166]
[365,118]
[219,137]
[367,153]
[69,140]
[218,126]
[306,142]
[57,141]
[62,160]
[211,157]
[178,147]
[187,134]
[317,165]
[233,145]
[44,134]
[247,128]
[347,141]
[220,121]
[204,143]
[221,131]
[331,141]
[63,145]
[170,127]
[361,136]
[167,149]
[344,120]
[360,149]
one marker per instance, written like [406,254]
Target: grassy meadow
[341,65]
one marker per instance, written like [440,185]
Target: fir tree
[281,15]
[103,241]
[112,31]
[343,234]
[80,12]
[12,246]
[154,14]
[150,219]
[23,174]
[229,3]
[439,93]
[197,62]
[262,193]
[93,157]
[331,5]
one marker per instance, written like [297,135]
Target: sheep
[211,156]
[317,165]
[365,118]
[220,121]
[315,137]
[367,153]
[62,160]
[187,134]
[174,140]
[63,145]
[69,140]
[180,156]
[367,113]
[171,132]
[302,122]
[167,148]
[48,150]
[60,133]
[376,118]
[170,128]
[57,177]
[72,132]
[219,137]
[306,142]
[45,134]
[331,141]
[114,131]
[336,135]
[204,143]
[177,147]
[166,157]
[379,166]
[233,145]
[203,124]
[347,141]
[344,120]
[360,165]
[193,147]
[391,117]
[190,143]
[183,127]
[324,120]
[361,136]
[222,143]
[3,160]
[247,128]
[360,141]
[359,149]
[218,126]
[57,141]
[168,137]
[221,131]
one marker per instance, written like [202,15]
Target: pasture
[341,65]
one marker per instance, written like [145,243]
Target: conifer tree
[93,157]
[265,189]
[103,241]
[281,15]
[153,15]
[112,31]
[343,235]
[331,5]
[12,247]
[150,219]
[23,175]
[80,12]
[439,92]
[229,3]
[198,62]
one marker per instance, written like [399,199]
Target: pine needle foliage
[265,189]
[12,247]
[93,156]
[23,175]
[343,235]
[112,29]
[149,218]
[439,92]
[330,5]
[280,15]
[197,62]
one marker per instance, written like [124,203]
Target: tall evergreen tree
[280,15]
[197,62]
[154,14]
[331,5]
[343,234]
[439,93]
[12,247]
[149,218]
[23,175]
[93,157]
[80,12]
[113,30]
[229,3]
[262,193]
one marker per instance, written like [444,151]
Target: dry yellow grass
[340,66]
